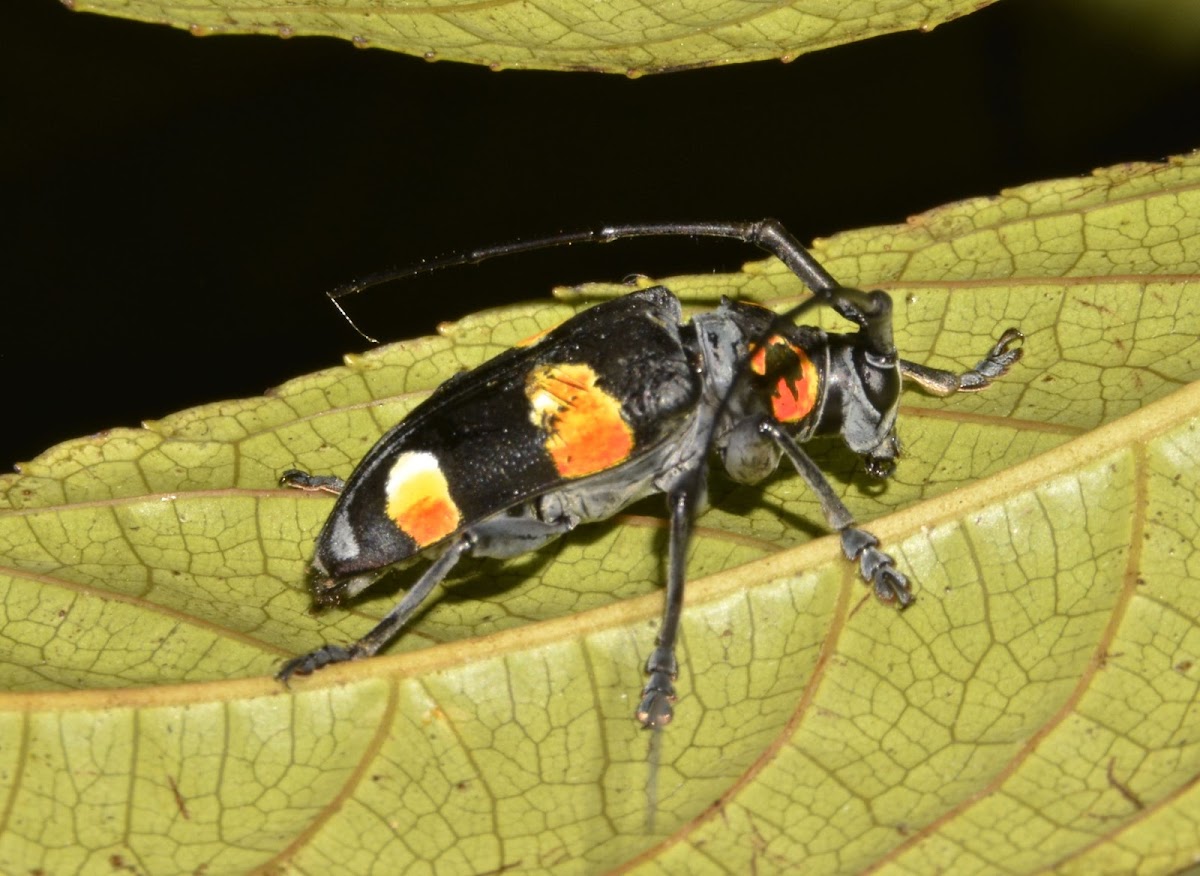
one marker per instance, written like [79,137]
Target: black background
[177,206]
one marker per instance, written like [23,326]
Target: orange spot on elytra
[585,430]
[795,393]
[418,499]
[428,519]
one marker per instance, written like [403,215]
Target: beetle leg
[302,480]
[876,567]
[659,692]
[998,360]
[391,624]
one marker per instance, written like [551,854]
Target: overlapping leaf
[631,37]
[1036,707]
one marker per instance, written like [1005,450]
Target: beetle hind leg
[392,623]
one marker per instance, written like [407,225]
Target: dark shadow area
[180,205]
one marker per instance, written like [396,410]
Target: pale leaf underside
[1035,709]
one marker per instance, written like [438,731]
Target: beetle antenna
[766,234]
[333,299]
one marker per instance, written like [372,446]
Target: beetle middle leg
[663,667]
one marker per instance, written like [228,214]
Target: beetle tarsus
[307,664]
[302,480]
[659,693]
[891,585]
[998,360]
[876,567]
[655,710]
[1004,353]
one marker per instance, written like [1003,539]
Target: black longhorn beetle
[624,400]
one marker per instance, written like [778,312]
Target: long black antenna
[766,234]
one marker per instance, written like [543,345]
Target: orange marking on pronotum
[418,498]
[585,430]
[796,391]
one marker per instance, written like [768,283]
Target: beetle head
[862,403]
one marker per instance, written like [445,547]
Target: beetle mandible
[623,401]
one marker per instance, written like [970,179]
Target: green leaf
[1034,710]
[646,36]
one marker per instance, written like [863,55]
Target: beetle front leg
[999,359]
[663,667]
[876,567]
